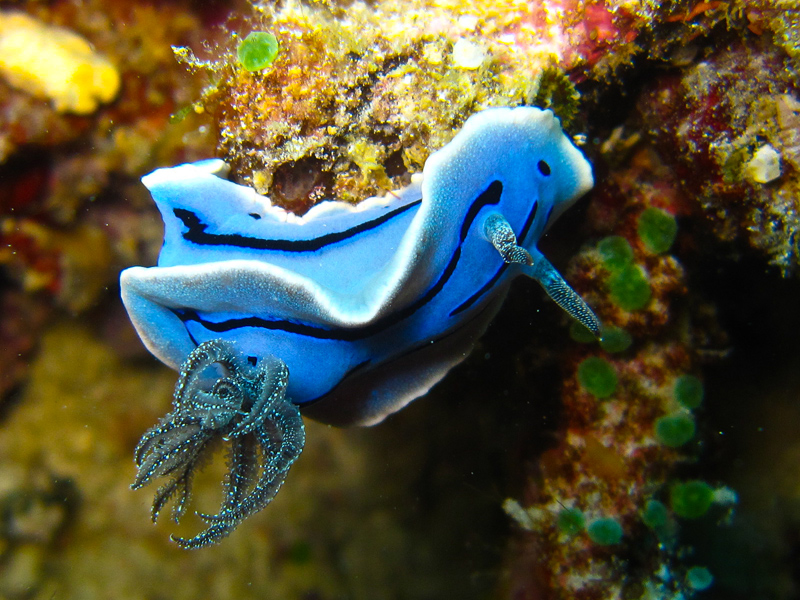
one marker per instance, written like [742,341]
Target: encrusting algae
[356,100]
[358,97]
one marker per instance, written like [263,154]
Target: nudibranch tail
[247,406]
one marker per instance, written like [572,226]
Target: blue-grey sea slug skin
[346,313]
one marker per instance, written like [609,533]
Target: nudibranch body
[368,306]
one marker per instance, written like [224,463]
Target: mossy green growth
[180,114]
[597,377]
[605,532]
[688,391]
[579,333]
[656,229]
[257,51]
[691,499]
[571,521]
[552,88]
[616,252]
[699,578]
[655,514]
[629,288]
[675,430]
[615,339]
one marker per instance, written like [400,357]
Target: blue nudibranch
[363,308]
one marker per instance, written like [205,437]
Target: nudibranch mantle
[368,306]
[348,313]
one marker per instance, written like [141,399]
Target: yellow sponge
[54,63]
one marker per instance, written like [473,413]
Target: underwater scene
[400,299]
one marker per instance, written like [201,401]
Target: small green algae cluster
[571,521]
[688,391]
[616,252]
[691,499]
[655,514]
[605,532]
[257,51]
[656,517]
[627,284]
[553,89]
[629,288]
[699,578]
[657,230]
[615,339]
[675,430]
[597,377]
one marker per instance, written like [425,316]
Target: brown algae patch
[357,99]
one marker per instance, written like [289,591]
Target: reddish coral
[708,121]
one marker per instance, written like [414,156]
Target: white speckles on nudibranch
[54,63]
[765,166]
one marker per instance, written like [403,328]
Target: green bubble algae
[616,252]
[657,230]
[691,499]
[699,578]
[688,391]
[615,339]
[257,51]
[597,377]
[571,521]
[605,532]
[655,514]
[675,430]
[629,288]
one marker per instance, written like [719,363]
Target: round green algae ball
[605,532]
[688,391]
[616,252]
[699,578]
[657,230]
[655,514]
[615,339]
[257,51]
[571,521]
[597,377]
[691,499]
[580,334]
[675,430]
[629,288]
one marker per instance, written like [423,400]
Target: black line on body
[196,233]
[422,346]
[491,195]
